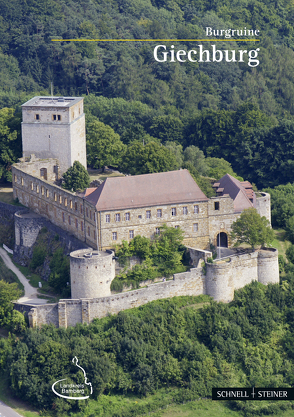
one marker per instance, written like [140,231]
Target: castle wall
[221,217]
[221,280]
[194,224]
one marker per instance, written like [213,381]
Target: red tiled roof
[237,191]
[162,188]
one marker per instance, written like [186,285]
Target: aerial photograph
[146,208]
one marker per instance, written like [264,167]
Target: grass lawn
[96,174]
[6,196]
[280,242]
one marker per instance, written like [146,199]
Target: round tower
[219,281]
[268,266]
[91,273]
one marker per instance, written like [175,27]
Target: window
[47,193]
[42,190]
[87,212]
[60,199]
[196,209]
[107,218]
[90,215]
[94,217]
[76,206]
[159,213]
[81,209]
[176,227]
[65,202]
[140,216]
[117,217]
[70,204]
[114,236]
[77,224]
[127,216]
[37,189]
[131,234]
[195,227]
[43,173]
[174,211]
[216,205]
[37,116]
[59,117]
[63,218]
[21,180]
[89,232]
[148,214]
[53,116]
[157,231]
[55,197]
[32,186]
[185,210]
[69,220]
[15,178]
[94,234]
[82,226]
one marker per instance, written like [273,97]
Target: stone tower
[54,127]
[91,273]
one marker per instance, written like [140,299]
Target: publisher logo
[73,391]
[256,394]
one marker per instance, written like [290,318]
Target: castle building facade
[121,208]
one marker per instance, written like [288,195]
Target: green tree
[153,157]
[196,157]
[290,254]
[104,146]
[252,229]
[8,293]
[76,177]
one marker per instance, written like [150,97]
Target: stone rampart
[27,227]
[221,280]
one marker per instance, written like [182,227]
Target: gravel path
[30,296]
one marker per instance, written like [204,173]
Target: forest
[138,107]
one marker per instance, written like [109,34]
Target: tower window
[54,117]
[59,117]
[37,116]
[216,205]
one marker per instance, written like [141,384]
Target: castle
[53,136]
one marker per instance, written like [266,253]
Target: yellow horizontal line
[155,40]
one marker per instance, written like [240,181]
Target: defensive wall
[218,279]
[27,227]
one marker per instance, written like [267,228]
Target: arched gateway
[222,240]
